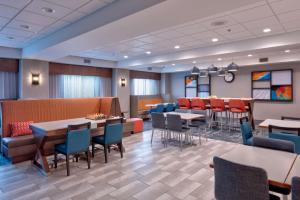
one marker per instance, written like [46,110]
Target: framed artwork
[261,94]
[281,93]
[191,86]
[261,76]
[191,81]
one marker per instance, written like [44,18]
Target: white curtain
[74,86]
[8,85]
[145,87]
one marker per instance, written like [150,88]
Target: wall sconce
[123,82]
[35,79]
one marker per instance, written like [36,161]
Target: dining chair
[158,109]
[199,124]
[174,125]
[77,141]
[246,131]
[275,144]
[217,107]
[159,123]
[296,188]
[234,181]
[290,118]
[113,134]
[286,133]
[236,107]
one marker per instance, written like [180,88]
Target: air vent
[149,68]
[263,60]
[219,23]
[87,61]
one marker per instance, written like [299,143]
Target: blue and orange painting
[281,93]
[261,76]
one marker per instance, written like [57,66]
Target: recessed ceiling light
[176,47]
[194,62]
[173,64]
[48,10]
[10,37]
[125,57]
[287,51]
[215,40]
[24,26]
[267,30]
[250,55]
[219,59]
[148,52]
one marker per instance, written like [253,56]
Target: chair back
[246,129]
[296,188]
[184,103]
[78,138]
[275,144]
[235,181]
[174,123]
[217,104]
[160,108]
[113,133]
[170,107]
[158,120]
[289,137]
[290,118]
[287,130]
[198,103]
[114,121]
[237,104]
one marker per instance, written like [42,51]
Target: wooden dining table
[277,164]
[47,131]
[279,123]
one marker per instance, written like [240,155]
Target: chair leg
[105,153]
[120,145]
[93,149]
[152,136]
[55,159]
[108,148]
[76,157]
[88,158]
[68,165]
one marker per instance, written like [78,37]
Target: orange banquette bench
[23,148]
[138,104]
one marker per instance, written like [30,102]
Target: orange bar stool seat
[198,104]
[184,103]
[217,106]
[236,107]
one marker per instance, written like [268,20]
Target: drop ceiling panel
[94,5]
[74,16]
[285,6]
[35,18]
[8,12]
[16,32]
[15,3]
[289,16]
[72,4]
[3,21]
[16,24]
[252,14]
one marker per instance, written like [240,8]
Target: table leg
[40,161]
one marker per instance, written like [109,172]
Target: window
[74,86]
[8,85]
[145,87]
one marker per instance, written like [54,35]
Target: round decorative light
[212,69]
[215,40]
[125,56]
[173,64]
[287,51]
[232,67]
[194,62]
[177,47]
[195,70]
[250,55]
[267,30]
[148,52]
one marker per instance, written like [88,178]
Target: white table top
[294,172]
[62,124]
[280,123]
[154,105]
[276,163]
[186,116]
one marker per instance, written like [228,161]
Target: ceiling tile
[72,4]
[229,30]
[150,39]
[191,29]
[268,22]
[94,5]
[17,25]
[292,25]
[289,16]
[8,12]
[252,14]
[3,21]
[207,35]
[209,24]
[16,32]
[240,35]
[74,16]
[169,34]
[37,6]
[285,6]
[15,3]
[35,18]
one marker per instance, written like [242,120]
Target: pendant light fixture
[195,70]
[212,69]
[232,67]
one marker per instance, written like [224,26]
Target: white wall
[241,87]
[122,92]
[26,89]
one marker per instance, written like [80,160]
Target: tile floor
[145,173]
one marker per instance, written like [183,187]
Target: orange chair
[217,106]
[236,106]
[198,104]
[184,103]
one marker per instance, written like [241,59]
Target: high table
[276,163]
[46,131]
[280,123]
[186,116]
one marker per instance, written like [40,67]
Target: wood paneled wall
[9,65]
[145,75]
[58,68]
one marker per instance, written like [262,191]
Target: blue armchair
[159,109]
[77,141]
[246,131]
[113,134]
[169,107]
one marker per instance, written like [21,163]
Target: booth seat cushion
[18,141]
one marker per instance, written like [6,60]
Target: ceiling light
[148,52]
[212,69]
[24,26]
[173,64]
[10,37]
[232,67]
[222,72]
[219,59]
[48,10]
[195,70]
[250,55]
[125,57]
[203,74]
[267,30]
[177,47]
[215,40]
[287,51]
[194,62]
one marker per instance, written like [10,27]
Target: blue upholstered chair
[282,133]
[158,109]
[296,188]
[169,107]
[113,134]
[77,141]
[234,181]
[246,131]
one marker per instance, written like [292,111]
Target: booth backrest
[138,103]
[54,109]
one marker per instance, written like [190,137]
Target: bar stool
[217,106]
[236,106]
[184,103]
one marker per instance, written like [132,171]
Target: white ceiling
[16,13]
